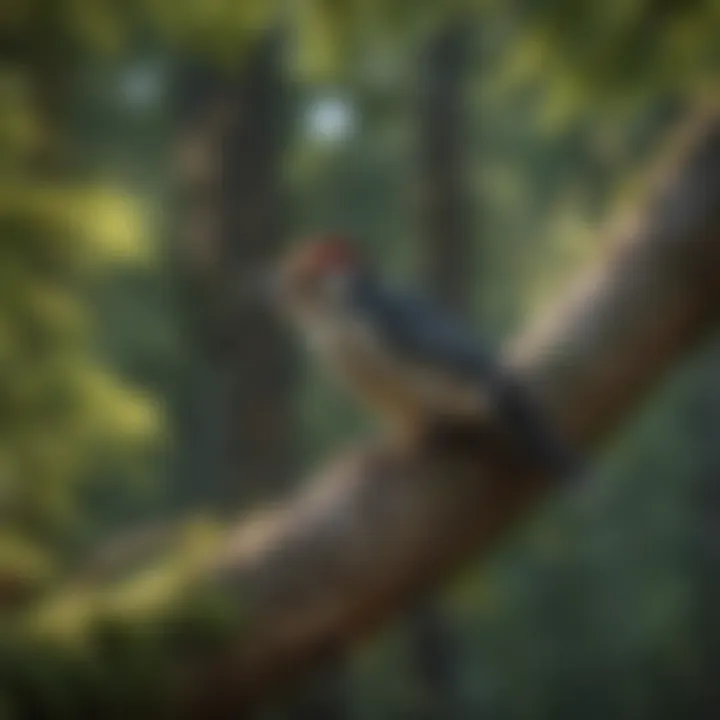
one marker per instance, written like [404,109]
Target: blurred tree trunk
[244,400]
[46,56]
[240,415]
[706,537]
[447,253]
[447,238]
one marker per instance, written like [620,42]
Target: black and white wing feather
[426,336]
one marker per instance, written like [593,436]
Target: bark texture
[447,248]
[239,420]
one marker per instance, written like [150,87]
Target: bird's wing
[425,336]
[422,333]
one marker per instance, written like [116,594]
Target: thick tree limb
[637,313]
[380,524]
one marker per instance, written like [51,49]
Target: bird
[415,366]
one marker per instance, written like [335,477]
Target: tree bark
[443,143]
[447,250]
[241,417]
[704,420]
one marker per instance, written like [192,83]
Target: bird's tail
[532,435]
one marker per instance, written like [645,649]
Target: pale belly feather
[402,395]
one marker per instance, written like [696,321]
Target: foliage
[119,648]
[62,412]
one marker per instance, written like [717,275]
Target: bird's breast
[397,389]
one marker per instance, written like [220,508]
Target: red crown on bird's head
[322,254]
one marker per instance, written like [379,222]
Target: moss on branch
[120,649]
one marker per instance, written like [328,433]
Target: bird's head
[315,278]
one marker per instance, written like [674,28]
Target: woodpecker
[413,365]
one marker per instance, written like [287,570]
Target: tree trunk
[241,416]
[706,537]
[443,145]
[447,252]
